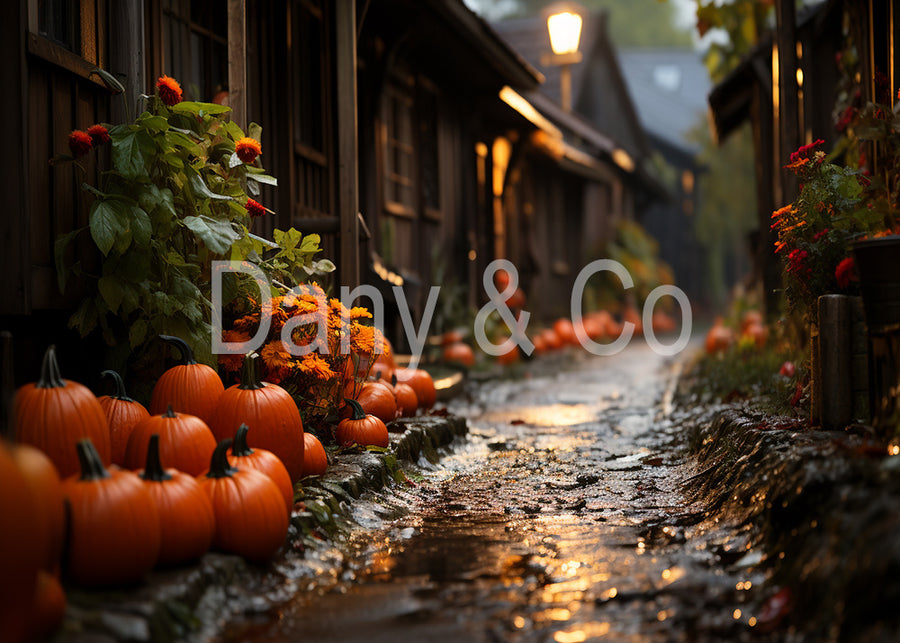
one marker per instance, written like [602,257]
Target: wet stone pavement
[562,518]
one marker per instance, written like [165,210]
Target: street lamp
[564,21]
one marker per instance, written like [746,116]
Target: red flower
[99,134]
[169,90]
[255,208]
[797,264]
[247,149]
[80,143]
[845,272]
[821,234]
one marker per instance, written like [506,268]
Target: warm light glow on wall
[623,159]
[565,32]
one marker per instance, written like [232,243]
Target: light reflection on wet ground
[561,519]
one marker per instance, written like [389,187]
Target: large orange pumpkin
[53,414]
[407,402]
[114,534]
[243,457]
[249,508]
[186,520]
[377,398]
[21,554]
[123,414]
[189,387]
[421,382]
[46,490]
[270,410]
[185,442]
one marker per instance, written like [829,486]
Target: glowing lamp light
[565,31]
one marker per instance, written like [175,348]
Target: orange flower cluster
[169,90]
[338,349]
[247,149]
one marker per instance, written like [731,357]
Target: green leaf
[59,254]
[156,123]
[201,189]
[130,148]
[105,224]
[263,178]
[137,333]
[233,130]
[111,292]
[198,108]
[310,243]
[215,235]
[254,131]
[140,227]
[323,266]
[84,320]
[234,160]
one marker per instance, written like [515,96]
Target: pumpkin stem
[393,379]
[240,447]
[187,355]
[250,373]
[120,393]
[169,413]
[91,465]
[50,377]
[219,467]
[153,470]
[358,413]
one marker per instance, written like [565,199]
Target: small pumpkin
[421,382]
[361,428]
[186,520]
[189,387]
[123,414]
[269,409]
[48,607]
[53,414]
[249,509]
[21,554]
[377,398]
[46,490]
[407,402]
[242,456]
[114,533]
[315,461]
[719,338]
[565,330]
[185,442]
[459,353]
[510,356]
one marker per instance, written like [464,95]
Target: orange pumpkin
[242,456]
[361,428]
[21,554]
[377,398]
[270,410]
[565,331]
[757,333]
[46,490]
[407,402]
[53,414]
[123,414]
[48,607]
[510,356]
[315,461]
[189,387]
[249,509]
[186,520]
[459,353]
[114,533]
[719,338]
[185,442]
[421,382]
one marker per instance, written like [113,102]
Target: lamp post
[564,21]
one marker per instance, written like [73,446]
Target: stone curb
[196,602]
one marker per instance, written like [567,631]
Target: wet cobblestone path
[561,519]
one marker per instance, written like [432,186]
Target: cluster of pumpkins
[752,333]
[599,326]
[100,490]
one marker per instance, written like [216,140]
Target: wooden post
[127,51]
[836,402]
[786,37]
[347,155]
[237,60]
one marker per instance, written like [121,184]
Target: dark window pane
[60,21]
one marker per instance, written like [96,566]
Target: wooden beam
[786,37]
[127,56]
[347,154]
[237,60]
[15,225]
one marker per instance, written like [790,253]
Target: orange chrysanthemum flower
[277,360]
[80,143]
[99,134]
[169,90]
[232,363]
[255,208]
[360,312]
[247,149]
[312,364]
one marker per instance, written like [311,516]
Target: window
[195,47]
[59,22]
[68,33]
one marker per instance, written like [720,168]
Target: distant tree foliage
[633,23]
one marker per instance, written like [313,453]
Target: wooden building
[389,125]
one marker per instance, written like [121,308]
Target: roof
[669,88]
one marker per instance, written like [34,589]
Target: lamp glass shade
[565,31]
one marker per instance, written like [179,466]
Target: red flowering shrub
[99,134]
[80,143]
[169,90]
